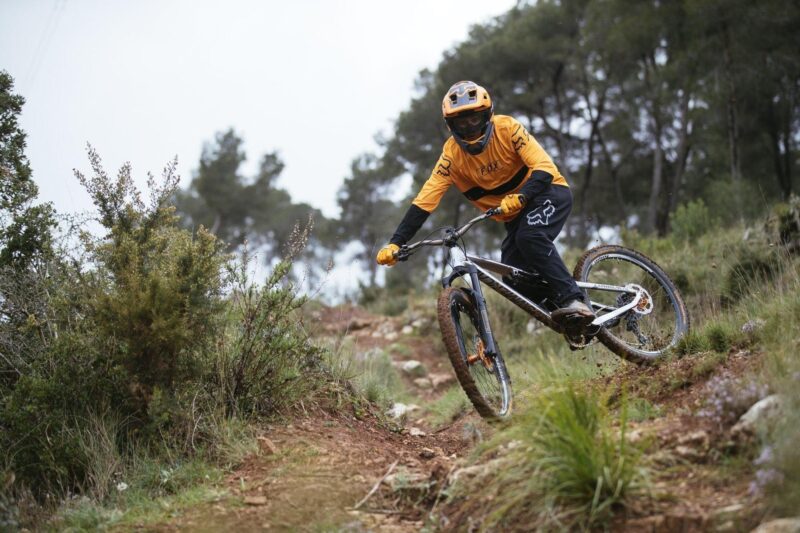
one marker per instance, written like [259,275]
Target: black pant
[529,243]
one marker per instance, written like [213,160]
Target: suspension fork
[468,269]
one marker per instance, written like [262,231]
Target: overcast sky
[146,80]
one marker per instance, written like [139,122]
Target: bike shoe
[574,317]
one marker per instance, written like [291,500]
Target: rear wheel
[646,332]
[483,377]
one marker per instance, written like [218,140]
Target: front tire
[639,338]
[484,378]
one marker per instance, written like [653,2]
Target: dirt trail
[327,470]
[313,471]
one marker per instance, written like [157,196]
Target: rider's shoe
[574,317]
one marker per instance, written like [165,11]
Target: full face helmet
[467,110]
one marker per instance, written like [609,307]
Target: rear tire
[639,338]
[485,381]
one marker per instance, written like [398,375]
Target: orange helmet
[467,110]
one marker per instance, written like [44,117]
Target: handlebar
[453,235]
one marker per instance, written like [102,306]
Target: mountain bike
[640,313]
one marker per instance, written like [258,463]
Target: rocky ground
[340,469]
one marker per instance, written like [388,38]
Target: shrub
[267,361]
[729,398]
[131,343]
[720,337]
[691,220]
[785,222]
[753,267]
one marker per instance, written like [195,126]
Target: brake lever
[402,254]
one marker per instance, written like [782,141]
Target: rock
[635,436]
[690,454]
[664,458]
[266,446]
[534,327]
[507,447]
[358,323]
[728,513]
[409,483]
[423,383]
[697,439]
[479,471]
[416,432]
[399,410]
[761,414]
[751,326]
[255,500]
[420,323]
[441,379]
[782,525]
[385,328]
[407,330]
[667,523]
[391,336]
[427,453]
[414,368]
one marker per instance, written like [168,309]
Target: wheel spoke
[651,333]
[483,369]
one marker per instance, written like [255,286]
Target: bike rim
[490,381]
[650,334]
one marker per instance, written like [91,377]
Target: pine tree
[25,229]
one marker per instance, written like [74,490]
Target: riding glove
[386,255]
[512,203]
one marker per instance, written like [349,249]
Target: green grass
[448,407]
[572,467]
[151,485]
[640,409]
[136,509]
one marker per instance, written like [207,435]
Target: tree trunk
[613,170]
[657,179]
[733,117]
[682,156]
[656,182]
[595,121]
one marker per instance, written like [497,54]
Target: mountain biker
[493,160]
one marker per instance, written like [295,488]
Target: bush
[267,361]
[131,343]
[691,220]
[785,222]
[753,267]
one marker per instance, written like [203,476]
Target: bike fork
[477,294]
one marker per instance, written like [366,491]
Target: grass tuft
[572,465]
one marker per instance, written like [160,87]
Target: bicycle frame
[479,269]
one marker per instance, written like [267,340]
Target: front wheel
[645,332]
[483,376]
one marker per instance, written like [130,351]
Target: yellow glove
[512,203]
[386,255]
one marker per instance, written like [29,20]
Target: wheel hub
[481,356]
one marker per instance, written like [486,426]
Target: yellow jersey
[507,162]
